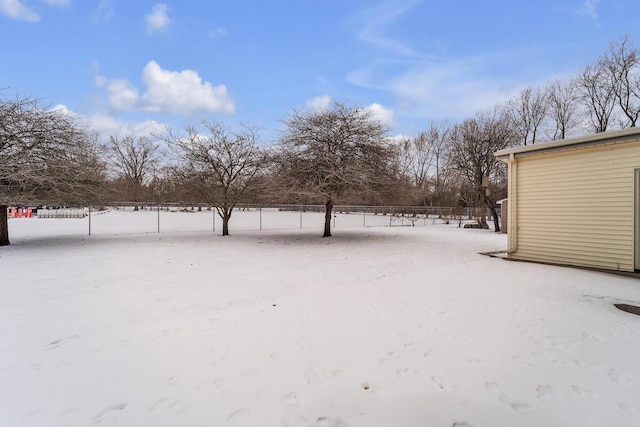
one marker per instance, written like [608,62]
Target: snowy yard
[376,326]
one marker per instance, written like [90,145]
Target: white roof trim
[565,144]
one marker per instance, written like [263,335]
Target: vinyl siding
[576,206]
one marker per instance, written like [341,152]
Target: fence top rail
[293,206]
[375,209]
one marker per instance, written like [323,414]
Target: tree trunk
[225,225]
[492,208]
[4,226]
[226,216]
[327,218]
[494,214]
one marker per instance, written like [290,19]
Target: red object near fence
[19,213]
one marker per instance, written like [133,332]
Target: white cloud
[380,113]
[158,20]
[372,22]
[590,8]
[101,81]
[450,89]
[376,111]
[422,79]
[16,10]
[122,95]
[62,109]
[59,3]
[104,11]
[182,92]
[174,92]
[319,103]
[399,138]
[106,125]
[217,32]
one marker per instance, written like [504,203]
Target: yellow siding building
[576,201]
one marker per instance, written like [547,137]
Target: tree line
[340,154]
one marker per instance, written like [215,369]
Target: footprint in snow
[57,343]
[289,398]
[494,388]
[582,391]
[329,422]
[293,416]
[410,345]
[109,413]
[391,356]
[164,406]
[237,413]
[407,373]
[619,377]
[544,392]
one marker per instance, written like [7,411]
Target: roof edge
[589,140]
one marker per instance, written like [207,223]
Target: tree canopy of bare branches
[332,154]
[45,157]
[528,111]
[596,93]
[562,108]
[422,161]
[135,161]
[218,165]
[416,162]
[472,144]
[622,62]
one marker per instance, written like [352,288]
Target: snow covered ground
[376,326]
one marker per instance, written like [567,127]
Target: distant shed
[576,201]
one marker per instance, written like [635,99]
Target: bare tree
[622,62]
[333,154]
[45,157]
[528,111]
[422,161]
[218,165]
[472,144]
[165,186]
[596,93]
[562,108]
[135,159]
[416,162]
[442,178]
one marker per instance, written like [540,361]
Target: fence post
[213,212]
[89,219]
[158,218]
[260,209]
[364,218]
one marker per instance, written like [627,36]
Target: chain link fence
[146,218]
[134,217]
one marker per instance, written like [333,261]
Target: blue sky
[133,66]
